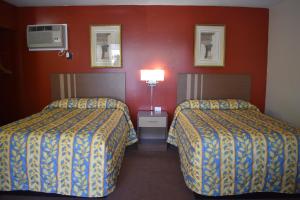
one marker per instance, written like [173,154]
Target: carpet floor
[145,175]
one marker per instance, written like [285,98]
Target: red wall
[8,15]
[8,82]
[152,37]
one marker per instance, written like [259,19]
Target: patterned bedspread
[73,147]
[229,147]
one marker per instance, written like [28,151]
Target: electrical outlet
[157,109]
[69,55]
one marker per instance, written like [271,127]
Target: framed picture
[106,46]
[209,45]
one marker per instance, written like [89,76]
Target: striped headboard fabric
[213,86]
[68,85]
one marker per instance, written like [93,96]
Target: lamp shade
[152,75]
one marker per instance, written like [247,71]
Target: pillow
[221,104]
[88,103]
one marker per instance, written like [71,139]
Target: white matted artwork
[106,46]
[209,46]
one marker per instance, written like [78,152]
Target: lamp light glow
[152,76]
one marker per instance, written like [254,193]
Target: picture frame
[209,46]
[106,46]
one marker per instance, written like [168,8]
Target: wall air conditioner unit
[47,37]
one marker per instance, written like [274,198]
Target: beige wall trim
[74,85]
[62,86]
[188,86]
[69,85]
[196,86]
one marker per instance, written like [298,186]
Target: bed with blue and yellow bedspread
[72,147]
[228,147]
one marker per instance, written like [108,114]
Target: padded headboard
[213,86]
[69,85]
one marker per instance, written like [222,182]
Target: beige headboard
[213,86]
[69,85]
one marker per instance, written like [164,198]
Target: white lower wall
[283,77]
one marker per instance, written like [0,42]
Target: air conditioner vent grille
[47,37]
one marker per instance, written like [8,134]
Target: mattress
[229,147]
[72,147]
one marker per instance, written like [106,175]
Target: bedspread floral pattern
[72,147]
[228,147]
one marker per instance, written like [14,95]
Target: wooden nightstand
[152,129]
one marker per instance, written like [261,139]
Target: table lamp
[152,77]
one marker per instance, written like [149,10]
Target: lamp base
[151,97]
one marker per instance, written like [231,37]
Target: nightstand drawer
[152,122]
